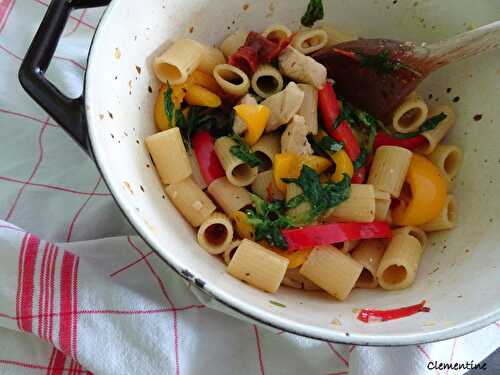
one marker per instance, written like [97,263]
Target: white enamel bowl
[459,274]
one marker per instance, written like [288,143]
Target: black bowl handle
[68,112]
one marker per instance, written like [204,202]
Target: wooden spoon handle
[468,44]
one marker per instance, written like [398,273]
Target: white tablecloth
[80,293]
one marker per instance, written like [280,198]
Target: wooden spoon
[376,75]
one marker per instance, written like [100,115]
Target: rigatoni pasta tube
[410,115]
[332,270]
[229,252]
[178,61]
[309,109]
[449,159]
[267,81]
[264,185]
[191,201]
[389,168]
[216,233]
[210,58]
[398,267]
[435,136]
[359,208]
[382,205]
[231,79]
[310,41]
[237,172]
[446,219]
[229,197]
[416,232]
[368,254]
[169,155]
[266,149]
[277,32]
[258,266]
[233,42]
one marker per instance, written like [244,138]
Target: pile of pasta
[288,194]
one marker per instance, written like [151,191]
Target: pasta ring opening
[242,171]
[268,84]
[170,71]
[229,253]
[231,77]
[410,117]
[216,234]
[266,164]
[394,274]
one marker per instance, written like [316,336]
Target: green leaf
[243,152]
[314,12]
[428,125]
[320,197]
[361,161]
[269,219]
[330,145]
[169,104]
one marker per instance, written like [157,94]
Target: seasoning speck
[118,53]
[110,115]
[456,99]
[150,89]
[478,117]
[246,6]
[336,322]
[277,304]
[448,90]
[191,29]
[138,68]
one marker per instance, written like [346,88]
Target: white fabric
[129,313]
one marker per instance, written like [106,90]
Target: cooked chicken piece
[302,68]
[239,126]
[294,139]
[283,105]
[309,109]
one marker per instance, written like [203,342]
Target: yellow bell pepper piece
[243,228]
[427,196]
[161,120]
[318,163]
[285,166]
[204,80]
[289,165]
[255,118]
[343,165]
[198,95]
[296,258]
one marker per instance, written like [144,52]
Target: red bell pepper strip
[330,110]
[326,234]
[383,139]
[359,176]
[368,315]
[210,166]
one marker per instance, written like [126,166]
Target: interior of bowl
[458,276]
